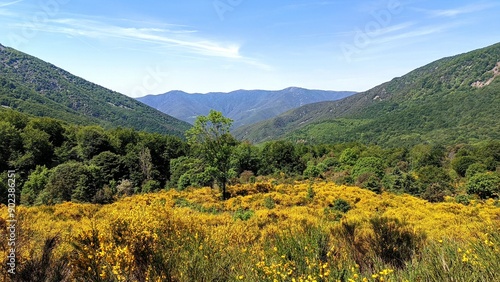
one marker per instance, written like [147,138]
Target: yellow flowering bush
[191,235]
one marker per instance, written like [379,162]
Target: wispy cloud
[5,4]
[155,36]
[419,32]
[460,10]
[177,37]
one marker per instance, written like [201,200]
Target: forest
[58,162]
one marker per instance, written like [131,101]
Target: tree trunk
[223,190]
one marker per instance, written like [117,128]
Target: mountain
[455,99]
[32,86]
[243,106]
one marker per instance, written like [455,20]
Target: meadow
[266,231]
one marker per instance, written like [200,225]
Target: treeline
[57,162]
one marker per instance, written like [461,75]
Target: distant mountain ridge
[243,106]
[35,87]
[455,99]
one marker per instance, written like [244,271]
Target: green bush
[312,172]
[243,214]
[269,202]
[372,165]
[150,186]
[461,164]
[462,199]
[484,185]
[474,169]
[341,205]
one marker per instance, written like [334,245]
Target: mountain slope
[243,106]
[455,99]
[33,86]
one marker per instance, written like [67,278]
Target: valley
[397,183]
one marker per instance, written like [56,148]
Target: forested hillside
[33,86]
[451,100]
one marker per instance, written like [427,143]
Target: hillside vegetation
[58,162]
[451,100]
[32,86]
[265,232]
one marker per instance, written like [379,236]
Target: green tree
[62,182]
[246,158]
[210,137]
[37,147]
[281,156]
[35,184]
[349,156]
[159,150]
[52,127]
[10,142]
[88,184]
[474,169]
[462,163]
[425,155]
[368,165]
[111,166]
[485,185]
[92,140]
[186,171]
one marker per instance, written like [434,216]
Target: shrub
[246,176]
[43,268]
[269,202]
[461,164]
[435,193]
[341,205]
[474,169]
[462,199]
[150,186]
[394,241]
[243,214]
[369,181]
[368,165]
[312,172]
[310,193]
[125,188]
[484,185]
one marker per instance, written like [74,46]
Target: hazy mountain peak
[243,106]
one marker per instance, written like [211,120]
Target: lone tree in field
[210,138]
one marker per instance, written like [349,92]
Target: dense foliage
[33,86]
[58,162]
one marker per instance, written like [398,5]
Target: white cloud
[419,32]
[155,36]
[460,10]
[3,4]
[181,38]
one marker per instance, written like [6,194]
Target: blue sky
[150,47]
